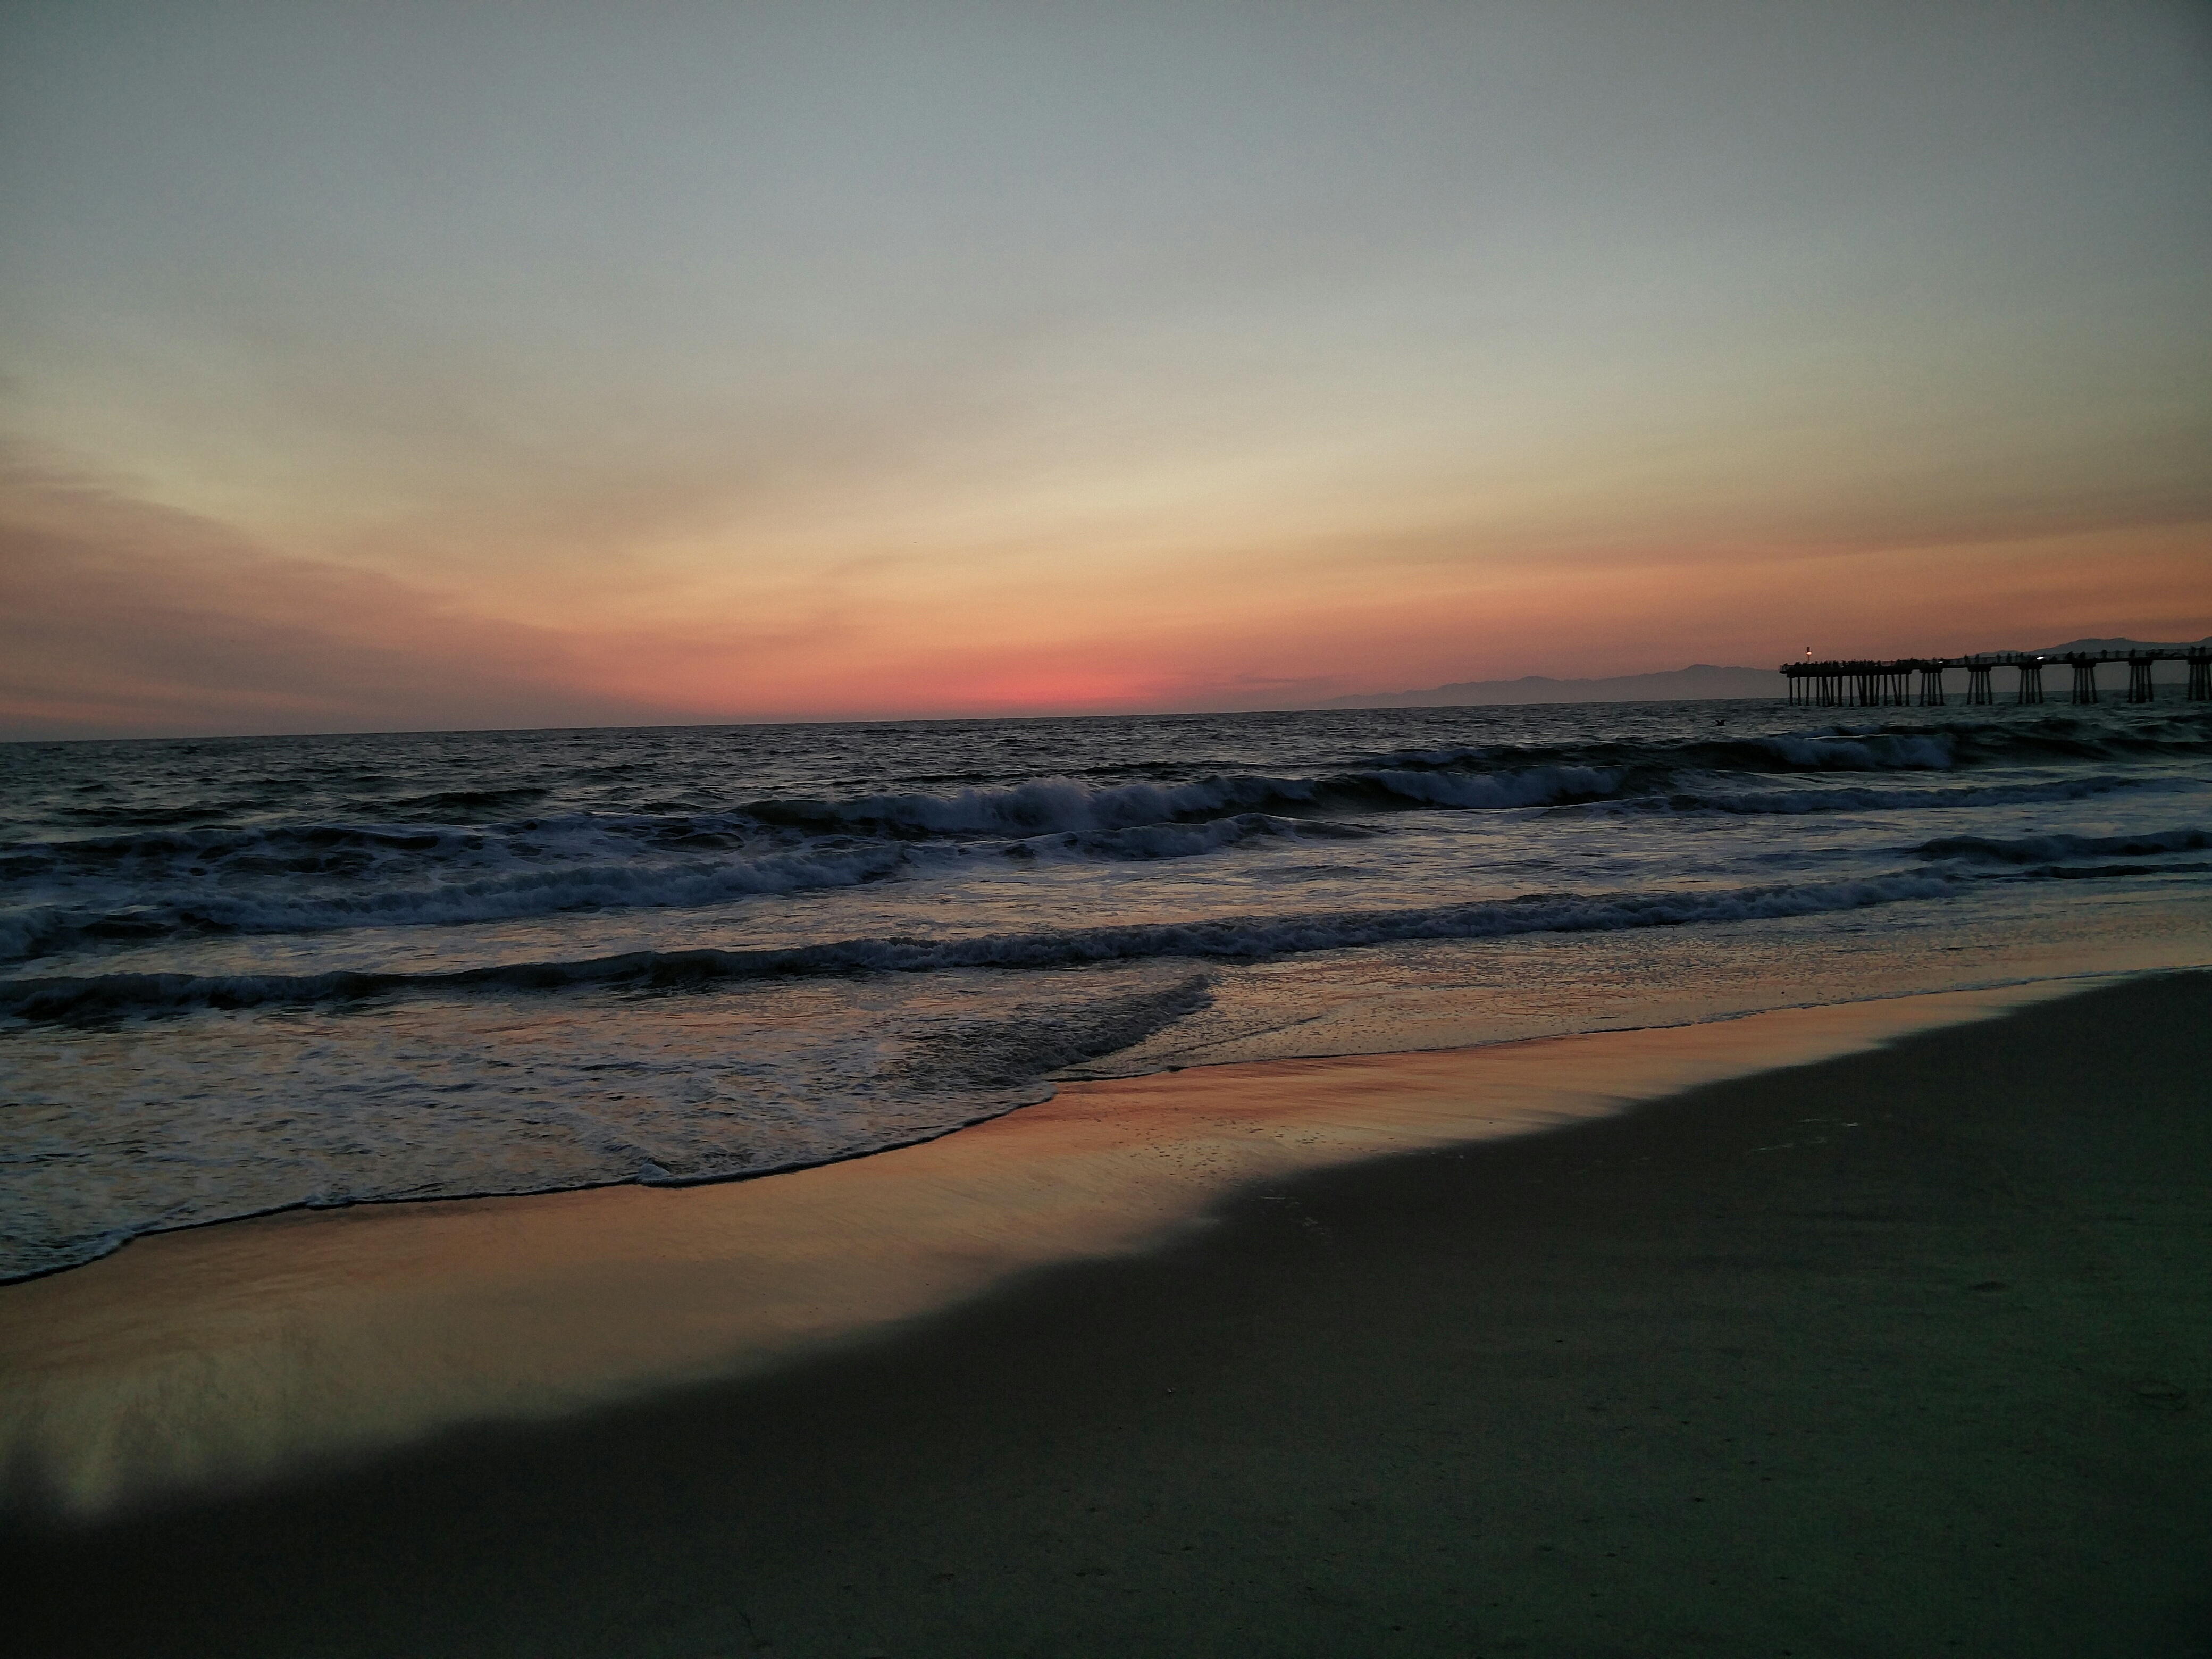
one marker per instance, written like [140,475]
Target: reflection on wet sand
[232,1353]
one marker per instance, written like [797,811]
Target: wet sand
[1907,1352]
[220,1356]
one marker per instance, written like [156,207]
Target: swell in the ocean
[108,996]
[163,880]
[248,974]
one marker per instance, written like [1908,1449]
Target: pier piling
[2140,689]
[2085,678]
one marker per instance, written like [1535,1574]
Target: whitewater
[240,976]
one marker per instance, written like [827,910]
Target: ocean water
[240,976]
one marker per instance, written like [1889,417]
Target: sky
[468,365]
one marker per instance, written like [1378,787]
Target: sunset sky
[369,367]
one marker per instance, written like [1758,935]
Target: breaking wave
[483,883]
[173,880]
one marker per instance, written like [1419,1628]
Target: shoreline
[1906,1351]
[1111,1070]
[208,1358]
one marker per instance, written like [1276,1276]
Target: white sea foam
[707,1103]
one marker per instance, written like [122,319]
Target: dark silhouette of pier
[1871,685]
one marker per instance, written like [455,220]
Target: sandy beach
[1902,1351]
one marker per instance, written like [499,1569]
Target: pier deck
[1892,684]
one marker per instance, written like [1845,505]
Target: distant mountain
[2123,645]
[2165,673]
[1698,682]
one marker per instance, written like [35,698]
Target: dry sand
[1905,1352]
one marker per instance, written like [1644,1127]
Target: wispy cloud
[120,616]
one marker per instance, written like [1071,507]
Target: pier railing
[1892,684]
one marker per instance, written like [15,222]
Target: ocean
[240,976]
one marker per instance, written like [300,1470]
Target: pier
[1919,680]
